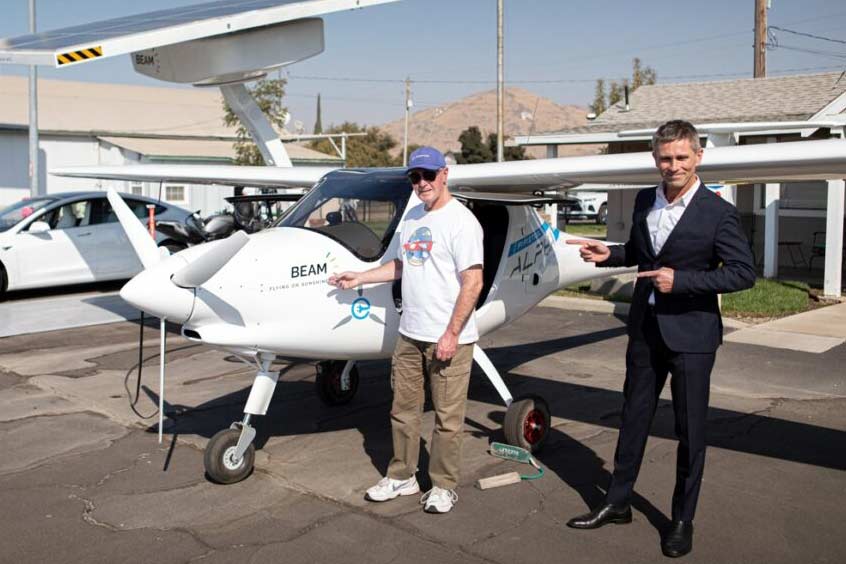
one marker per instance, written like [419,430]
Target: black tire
[218,462]
[328,382]
[602,215]
[527,423]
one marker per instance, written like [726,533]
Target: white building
[84,123]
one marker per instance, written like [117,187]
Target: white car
[591,205]
[71,238]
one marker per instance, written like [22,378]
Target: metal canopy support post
[772,193]
[267,140]
[832,283]
[34,189]
[771,205]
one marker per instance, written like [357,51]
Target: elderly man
[440,262]
[688,246]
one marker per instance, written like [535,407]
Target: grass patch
[769,298]
[591,230]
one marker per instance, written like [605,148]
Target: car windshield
[12,215]
[359,209]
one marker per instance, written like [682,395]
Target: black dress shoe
[679,539]
[602,515]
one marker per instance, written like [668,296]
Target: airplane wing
[226,175]
[90,42]
[772,162]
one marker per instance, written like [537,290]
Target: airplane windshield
[10,216]
[359,209]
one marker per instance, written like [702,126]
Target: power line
[803,34]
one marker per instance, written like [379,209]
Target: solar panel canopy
[89,42]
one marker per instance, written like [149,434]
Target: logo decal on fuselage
[361,308]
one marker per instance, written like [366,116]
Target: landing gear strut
[230,454]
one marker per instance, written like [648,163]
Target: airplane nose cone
[153,292]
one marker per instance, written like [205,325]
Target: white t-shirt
[435,247]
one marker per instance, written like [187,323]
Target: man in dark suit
[688,247]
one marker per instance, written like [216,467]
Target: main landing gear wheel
[332,387]
[220,462]
[527,423]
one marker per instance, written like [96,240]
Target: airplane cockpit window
[12,215]
[361,210]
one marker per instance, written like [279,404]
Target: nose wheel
[527,423]
[221,459]
[336,382]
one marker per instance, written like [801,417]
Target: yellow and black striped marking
[81,55]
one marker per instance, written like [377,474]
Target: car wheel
[602,215]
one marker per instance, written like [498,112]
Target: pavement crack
[88,510]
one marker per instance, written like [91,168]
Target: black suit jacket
[709,254]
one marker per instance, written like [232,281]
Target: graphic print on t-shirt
[419,246]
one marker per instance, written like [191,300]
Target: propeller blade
[196,273]
[144,245]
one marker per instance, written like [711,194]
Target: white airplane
[267,295]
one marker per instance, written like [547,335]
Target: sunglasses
[415,176]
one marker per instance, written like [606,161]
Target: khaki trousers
[412,362]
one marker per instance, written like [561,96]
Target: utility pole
[33,115]
[408,106]
[500,94]
[760,69]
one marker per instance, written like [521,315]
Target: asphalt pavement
[84,479]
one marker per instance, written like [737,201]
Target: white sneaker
[388,488]
[438,500]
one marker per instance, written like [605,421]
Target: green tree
[641,76]
[616,92]
[510,153]
[598,105]
[268,94]
[473,150]
[370,150]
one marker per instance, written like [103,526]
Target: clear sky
[556,48]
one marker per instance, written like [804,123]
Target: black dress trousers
[648,361]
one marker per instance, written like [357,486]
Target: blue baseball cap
[426,157]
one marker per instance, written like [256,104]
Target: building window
[136,189]
[175,193]
[805,199]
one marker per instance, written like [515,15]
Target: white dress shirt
[663,217]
